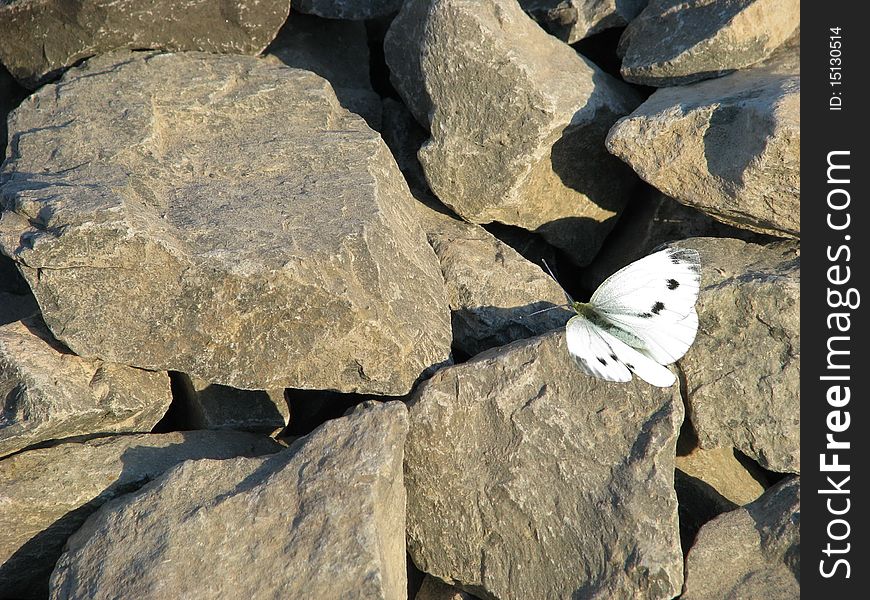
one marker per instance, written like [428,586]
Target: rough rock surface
[323,519]
[48,393]
[729,147]
[751,552]
[348,9]
[528,479]
[10,95]
[743,371]
[517,120]
[674,42]
[47,494]
[39,38]
[337,51]
[720,469]
[223,217]
[435,589]
[214,406]
[573,20]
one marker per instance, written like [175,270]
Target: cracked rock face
[39,38]
[224,217]
[573,20]
[743,371]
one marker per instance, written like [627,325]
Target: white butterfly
[641,318]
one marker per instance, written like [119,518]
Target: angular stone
[348,9]
[528,479]
[518,140]
[729,147]
[674,42]
[337,51]
[10,95]
[48,493]
[434,589]
[49,393]
[720,469]
[223,217]
[743,371]
[751,552]
[323,519]
[573,20]
[214,406]
[39,38]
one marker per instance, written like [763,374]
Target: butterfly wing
[600,354]
[653,299]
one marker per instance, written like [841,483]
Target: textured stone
[573,20]
[729,147]
[720,469]
[214,406]
[39,38]
[751,552]
[675,42]
[348,9]
[49,393]
[10,95]
[337,51]
[47,494]
[528,479]
[223,217]
[743,371]
[517,120]
[434,589]
[323,519]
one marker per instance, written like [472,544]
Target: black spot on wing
[673,284]
[603,361]
[657,308]
[645,315]
[613,356]
[630,366]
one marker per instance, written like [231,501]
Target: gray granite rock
[337,51]
[573,20]
[47,494]
[323,519]
[223,217]
[674,42]
[48,393]
[729,147]
[39,38]
[517,120]
[529,479]
[348,9]
[751,552]
[743,371]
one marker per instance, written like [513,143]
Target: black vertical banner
[835,225]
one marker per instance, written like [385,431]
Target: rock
[743,371]
[751,552]
[674,42]
[213,406]
[720,469]
[404,137]
[699,503]
[650,220]
[262,235]
[322,519]
[573,20]
[517,120]
[11,94]
[353,10]
[729,147]
[528,479]
[40,38]
[48,493]
[337,51]
[433,589]
[49,393]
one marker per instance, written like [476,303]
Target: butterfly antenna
[543,310]
[564,291]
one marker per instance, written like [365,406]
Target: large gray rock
[743,371]
[729,147]
[348,9]
[322,519]
[573,20]
[529,479]
[48,393]
[674,42]
[39,38]
[47,494]
[337,51]
[517,120]
[223,217]
[751,552]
